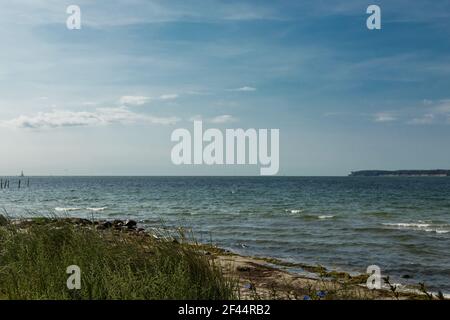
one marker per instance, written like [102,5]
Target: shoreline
[257,277]
[260,277]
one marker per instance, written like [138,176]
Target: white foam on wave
[97,209]
[326,217]
[66,209]
[294,210]
[439,231]
[420,226]
[408,225]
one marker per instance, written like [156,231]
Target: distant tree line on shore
[380,173]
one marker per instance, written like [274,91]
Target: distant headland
[401,173]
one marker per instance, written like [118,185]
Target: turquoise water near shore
[401,224]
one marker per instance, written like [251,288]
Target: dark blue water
[401,224]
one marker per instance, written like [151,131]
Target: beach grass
[114,265]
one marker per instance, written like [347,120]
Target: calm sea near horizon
[401,224]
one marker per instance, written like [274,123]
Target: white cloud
[244,89]
[197,92]
[384,117]
[99,117]
[133,100]
[443,107]
[226,118]
[141,100]
[425,119]
[437,112]
[168,97]
[120,13]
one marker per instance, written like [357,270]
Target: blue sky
[105,99]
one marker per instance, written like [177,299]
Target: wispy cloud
[430,112]
[225,118]
[168,97]
[443,107]
[141,100]
[244,89]
[425,119]
[133,100]
[120,13]
[437,112]
[384,117]
[98,117]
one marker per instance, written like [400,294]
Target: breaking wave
[66,209]
[420,226]
[97,209]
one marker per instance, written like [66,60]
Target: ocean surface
[401,224]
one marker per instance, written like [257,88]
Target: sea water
[401,224]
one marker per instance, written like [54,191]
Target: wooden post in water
[19,183]
[28,183]
[1,183]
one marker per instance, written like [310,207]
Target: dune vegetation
[114,264]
